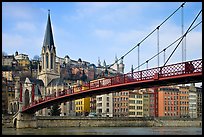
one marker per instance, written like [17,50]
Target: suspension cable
[147,35]
[182,26]
[138,57]
[158,44]
[183,37]
[169,45]
[164,54]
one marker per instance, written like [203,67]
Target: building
[135,104]
[168,102]
[30,86]
[12,108]
[120,104]
[199,101]
[23,61]
[152,105]
[119,67]
[93,104]
[48,68]
[192,101]
[8,74]
[104,105]
[82,106]
[184,101]
[21,56]
[139,103]
[8,60]
[4,96]
[146,103]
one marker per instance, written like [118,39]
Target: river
[105,131]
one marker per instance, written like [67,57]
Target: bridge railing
[188,67]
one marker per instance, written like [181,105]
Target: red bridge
[180,73]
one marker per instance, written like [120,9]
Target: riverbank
[64,121]
[44,122]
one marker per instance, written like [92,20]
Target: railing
[189,67]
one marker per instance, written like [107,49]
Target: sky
[102,30]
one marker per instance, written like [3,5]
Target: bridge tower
[25,120]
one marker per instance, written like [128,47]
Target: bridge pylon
[24,120]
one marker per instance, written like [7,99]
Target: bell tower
[48,69]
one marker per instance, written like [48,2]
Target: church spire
[48,39]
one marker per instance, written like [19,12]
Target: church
[59,73]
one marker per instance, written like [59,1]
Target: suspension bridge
[179,73]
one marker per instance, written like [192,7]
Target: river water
[105,131]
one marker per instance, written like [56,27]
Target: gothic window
[51,60]
[43,61]
[27,97]
[47,62]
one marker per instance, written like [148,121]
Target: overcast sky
[92,30]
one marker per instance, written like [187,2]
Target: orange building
[168,102]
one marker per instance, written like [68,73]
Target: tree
[56,110]
[36,57]
[4,53]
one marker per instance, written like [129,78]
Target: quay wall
[50,121]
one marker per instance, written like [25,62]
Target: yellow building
[24,63]
[132,104]
[7,75]
[139,103]
[82,106]
[136,103]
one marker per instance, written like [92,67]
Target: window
[131,113]
[51,60]
[131,107]
[47,62]
[107,98]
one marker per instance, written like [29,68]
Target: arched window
[27,97]
[51,60]
[47,61]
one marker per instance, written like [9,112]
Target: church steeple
[48,39]
[49,69]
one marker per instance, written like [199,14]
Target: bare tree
[36,57]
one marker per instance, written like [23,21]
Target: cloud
[27,45]
[26,27]
[17,10]
[99,29]
[103,34]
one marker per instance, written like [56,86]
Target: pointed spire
[121,61]
[48,39]
[99,62]
[116,59]
[104,63]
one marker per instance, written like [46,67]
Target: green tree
[56,110]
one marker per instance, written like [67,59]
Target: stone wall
[44,122]
[7,121]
